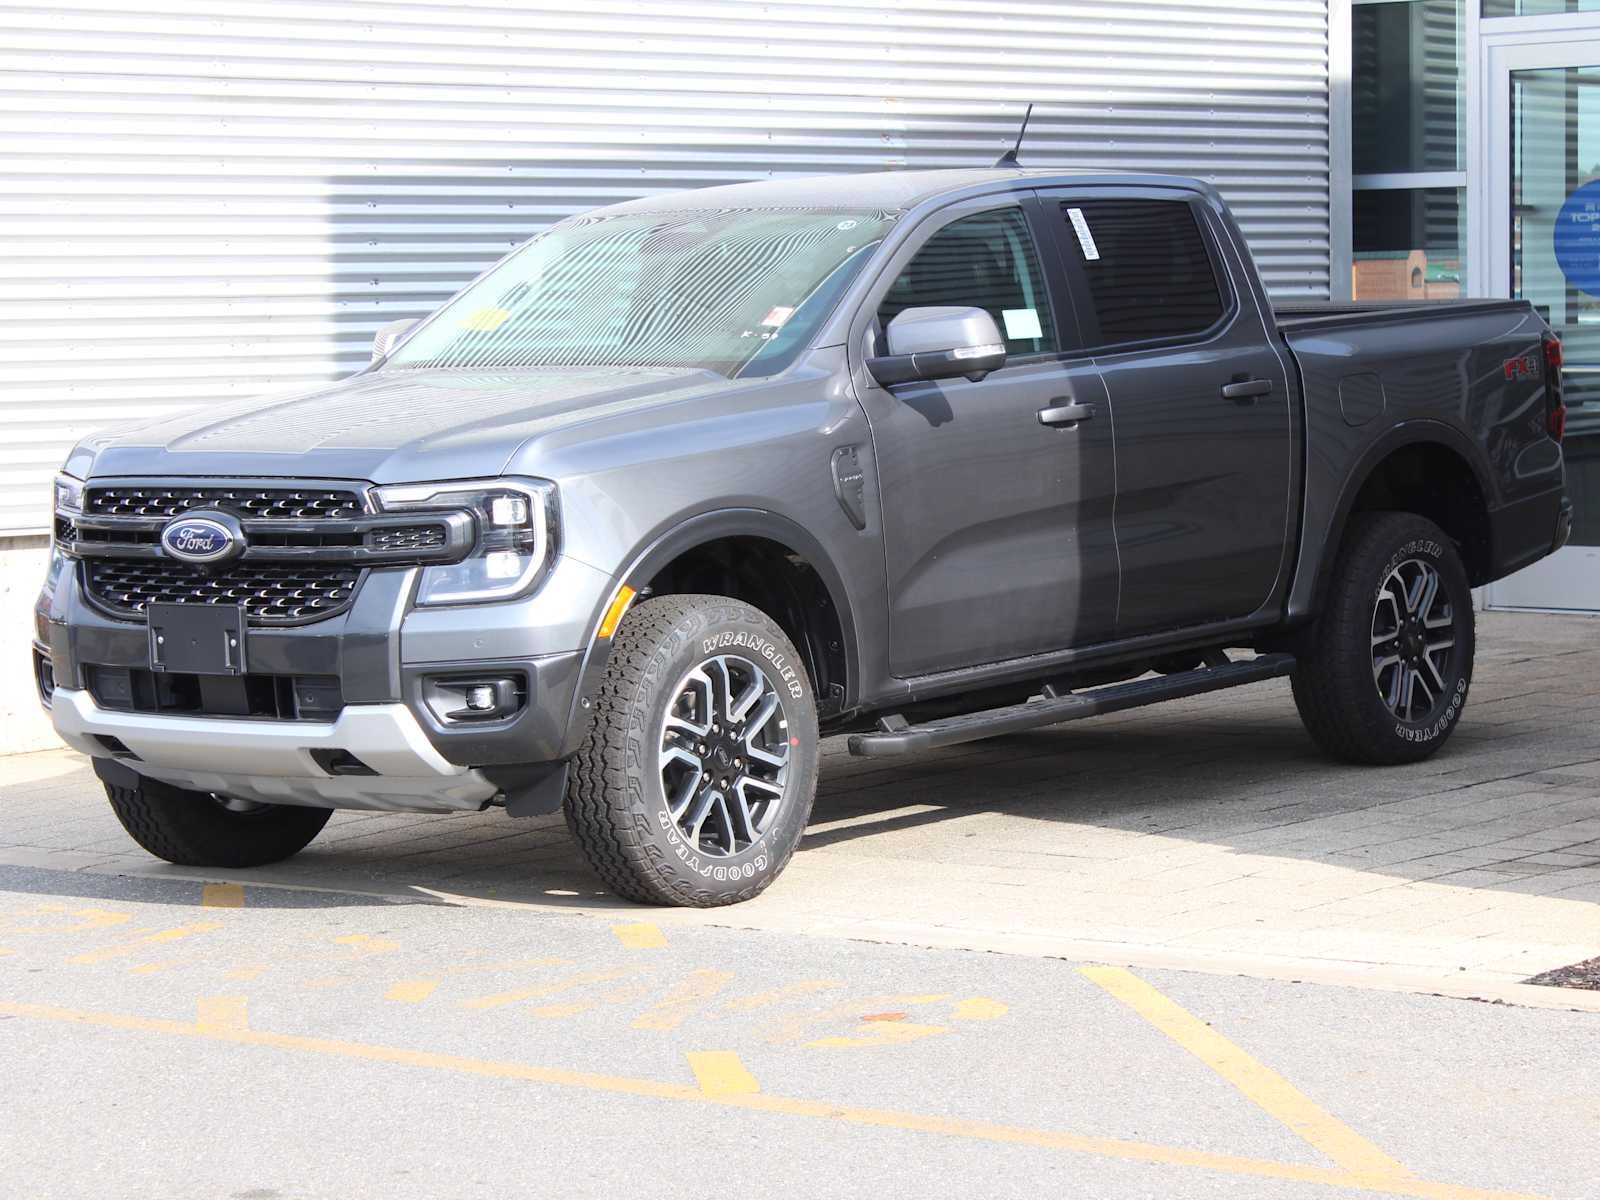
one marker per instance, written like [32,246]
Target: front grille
[278,504]
[271,595]
[409,538]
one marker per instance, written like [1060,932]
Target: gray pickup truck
[684,484]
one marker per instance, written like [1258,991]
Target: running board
[895,736]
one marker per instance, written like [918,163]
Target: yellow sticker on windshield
[487,318]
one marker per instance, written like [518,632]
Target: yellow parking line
[412,991]
[154,939]
[222,895]
[642,936]
[678,1005]
[720,1073]
[821,1110]
[1260,1084]
[581,979]
[226,1013]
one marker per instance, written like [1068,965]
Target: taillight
[1555,406]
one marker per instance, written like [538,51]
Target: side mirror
[939,343]
[388,336]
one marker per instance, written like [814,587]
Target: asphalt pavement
[170,1038]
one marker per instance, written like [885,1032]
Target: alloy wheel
[1413,637]
[724,756]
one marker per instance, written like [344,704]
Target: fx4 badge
[1523,367]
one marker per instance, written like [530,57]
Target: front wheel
[696,780]
[197,829]
[1390,657]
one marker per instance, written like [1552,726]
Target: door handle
[1066,414]
[1247,389]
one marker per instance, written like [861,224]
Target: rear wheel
[697,777]
[1389,660]
[197,829]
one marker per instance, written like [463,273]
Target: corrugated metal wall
[203,199]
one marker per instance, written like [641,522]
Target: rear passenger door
[1199,396]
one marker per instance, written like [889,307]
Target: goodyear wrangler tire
[1390,656]
[697,777]
[194,829]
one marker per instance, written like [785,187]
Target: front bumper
[280,762]
[379,654]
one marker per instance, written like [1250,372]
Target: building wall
[211,199]
[203,200]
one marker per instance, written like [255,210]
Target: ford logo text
[200,540]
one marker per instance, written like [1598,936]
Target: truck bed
[1302,315]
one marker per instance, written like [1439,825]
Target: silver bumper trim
[271,761]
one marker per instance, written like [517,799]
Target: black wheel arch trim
[1315,558]
[679,539]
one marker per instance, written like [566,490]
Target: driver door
[997,527]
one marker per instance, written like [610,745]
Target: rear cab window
[1146,271]
[988,261]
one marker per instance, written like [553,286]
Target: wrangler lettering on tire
[697,777]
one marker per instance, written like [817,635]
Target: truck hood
[388,426]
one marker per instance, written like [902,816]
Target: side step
[898,737]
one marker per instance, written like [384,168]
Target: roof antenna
[1009,158]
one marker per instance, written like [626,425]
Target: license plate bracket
[198,639]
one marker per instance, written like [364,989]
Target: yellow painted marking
[555,1012]
[819,1110]
[154,939]
[804,987]
[678,1005]
[246,974]
[222,895]
[228,1013]
[880,1033]
[510,965]
[87,919]
[4,953]
[365,944]
[501,999]
[979,1008]
[153,968]
[412,991]
[720,1073]
[799,1025]
[1260,1084]
[643,936]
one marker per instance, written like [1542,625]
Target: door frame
[1506,45]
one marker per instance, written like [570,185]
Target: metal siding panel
[209,199]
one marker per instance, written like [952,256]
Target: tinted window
[1148,270]
[985,261]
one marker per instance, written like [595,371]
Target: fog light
[490,698]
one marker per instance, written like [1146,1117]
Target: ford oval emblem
[200,539]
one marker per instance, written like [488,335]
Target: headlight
[69,496]
[516,527]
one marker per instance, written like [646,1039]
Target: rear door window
[1148,272]
[985,261]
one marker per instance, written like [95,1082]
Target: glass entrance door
[1545,217]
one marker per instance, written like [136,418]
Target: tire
[654,795]
[1351,683]
[195,829]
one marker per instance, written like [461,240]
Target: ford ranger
[684,484]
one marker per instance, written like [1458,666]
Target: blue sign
[1577,238]
[198,540]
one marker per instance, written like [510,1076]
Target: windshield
[739,292]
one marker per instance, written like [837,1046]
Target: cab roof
[886,190]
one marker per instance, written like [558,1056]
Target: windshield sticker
[1091,253]
[776,316]
[486,319]
[1022,323]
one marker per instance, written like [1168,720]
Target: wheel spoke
[724,755]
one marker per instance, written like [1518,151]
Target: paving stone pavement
[1207,833]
